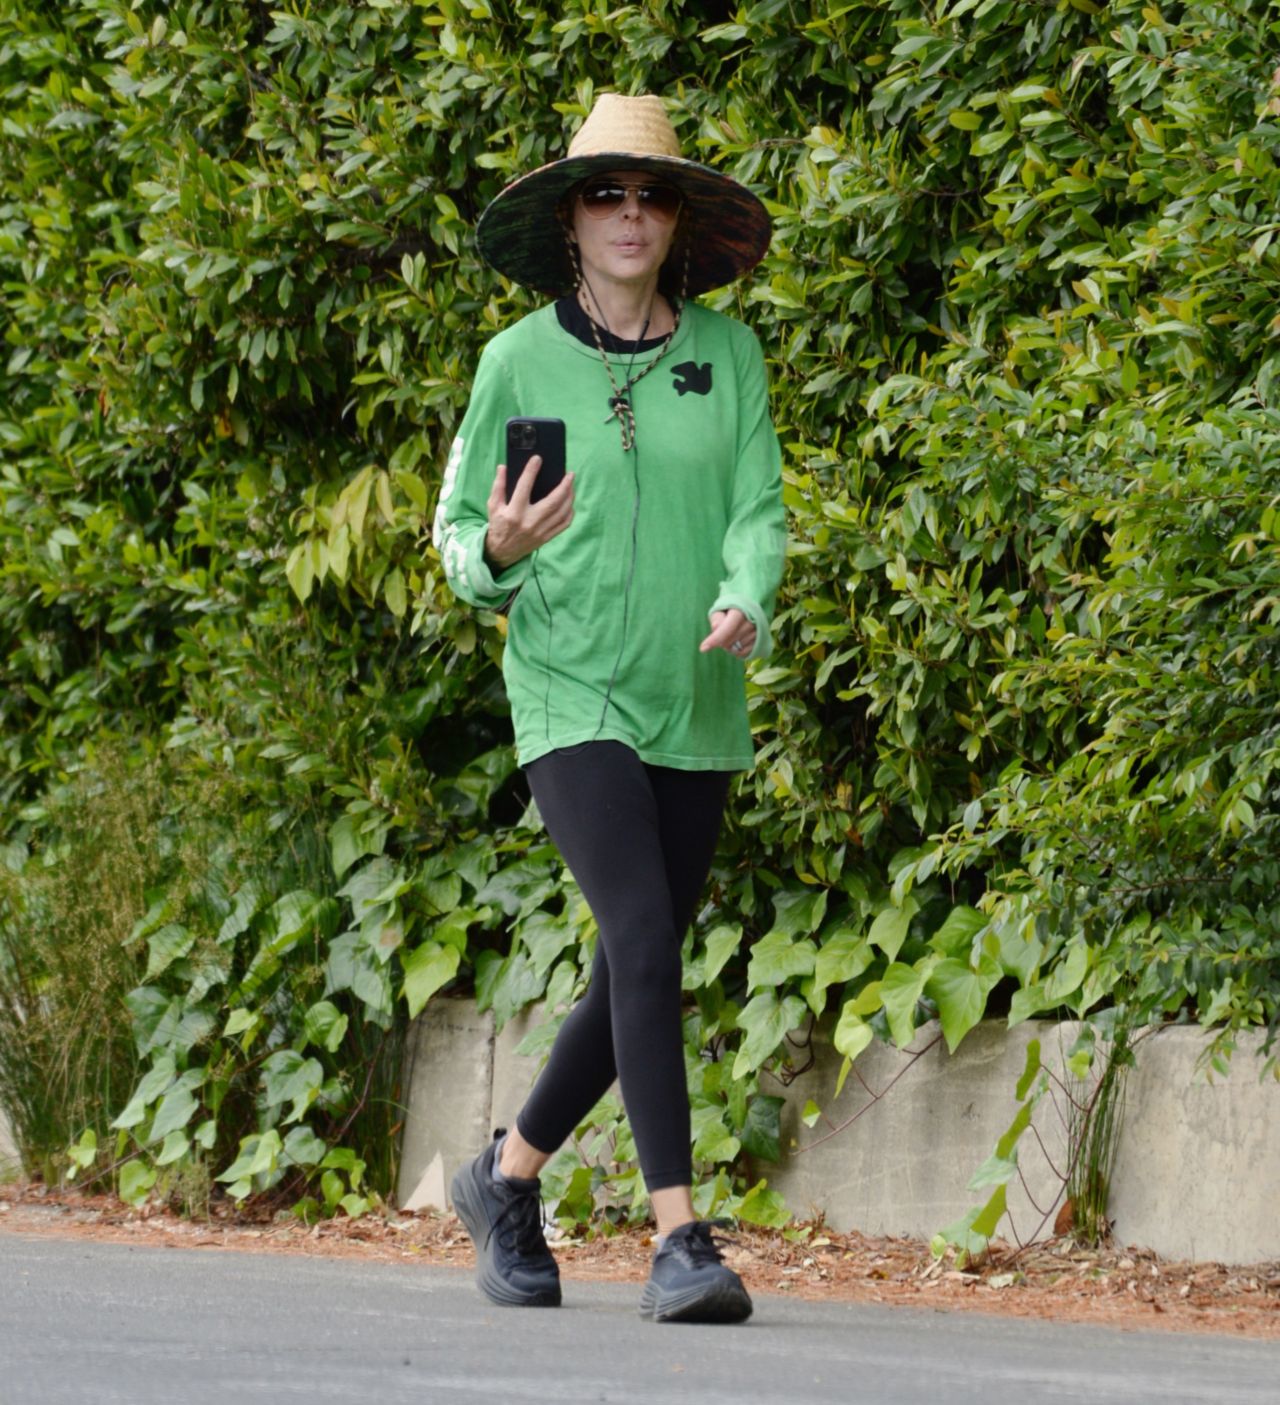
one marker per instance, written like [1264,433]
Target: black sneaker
[514,1267]
[689,1281]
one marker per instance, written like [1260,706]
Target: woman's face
[629,245]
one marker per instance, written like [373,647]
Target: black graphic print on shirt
[689,375]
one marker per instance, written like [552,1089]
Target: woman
[644,582]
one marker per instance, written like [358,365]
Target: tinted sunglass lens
[602,198]
[663,200]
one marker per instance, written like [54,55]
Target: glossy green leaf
[426,970]
[889,930]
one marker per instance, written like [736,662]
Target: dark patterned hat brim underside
[724,227]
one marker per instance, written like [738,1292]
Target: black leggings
[639,840]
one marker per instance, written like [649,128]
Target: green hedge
[1017,745]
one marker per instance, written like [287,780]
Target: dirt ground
[1118,1287]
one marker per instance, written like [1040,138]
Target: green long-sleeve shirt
[603,635]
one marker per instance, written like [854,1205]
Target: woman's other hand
[731,631]
[518,527]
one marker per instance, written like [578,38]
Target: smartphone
[527,437]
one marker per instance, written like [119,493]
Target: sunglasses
[602,198]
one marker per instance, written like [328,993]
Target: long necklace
[620,406]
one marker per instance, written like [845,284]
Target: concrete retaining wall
[10,1166]
[903,1166]
[449,1083]
[1197,1171]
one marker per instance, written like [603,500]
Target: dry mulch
[1056,1280]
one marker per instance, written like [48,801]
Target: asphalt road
[97,1323]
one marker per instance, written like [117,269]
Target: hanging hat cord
[620,406]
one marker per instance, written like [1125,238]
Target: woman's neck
[629,311]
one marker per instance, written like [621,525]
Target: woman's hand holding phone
[520,526]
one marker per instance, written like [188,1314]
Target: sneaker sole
[463,1193]
[717,1302]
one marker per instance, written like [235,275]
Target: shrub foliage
[1017,748]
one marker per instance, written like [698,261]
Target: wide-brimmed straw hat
[724,229]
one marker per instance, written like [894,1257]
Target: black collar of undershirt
[576,322]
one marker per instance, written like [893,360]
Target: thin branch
[1013,1231]
[1026,1190]
[1066,1092]
[874,1097]
[1044,1151]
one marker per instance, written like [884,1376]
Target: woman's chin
[627,271]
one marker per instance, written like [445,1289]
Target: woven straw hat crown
[724,229]
[639,126]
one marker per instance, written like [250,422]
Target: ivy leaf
[972,1233]
[989,1217]
[712,1139]
[956,935]
[367,885]
[176,1146]
[900,991]
[178,1105]
[546,936]
[853,1034]
[775,959]
[721,943]
[453,930]
[288,1077]
[160,913]
[425,971]
[889,930]
[519,888]
[259,1154]
[842,957]
[323,1024]
[248,900]
[352,965]
[302,1147]
[960,994]
[443,892]
[766,1021]
[1026,1002]
[154,1017]
[1066,976]
[995,1170]
[136,1179]
[166,946]
[1031,1069]
[506,986]
[153,1083]
[799,911]
[1019,955]
[352,839]
[762,1131]
[763,1206]
[84,1153]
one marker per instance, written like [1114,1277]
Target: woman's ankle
[519,1161]
[672,1207]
